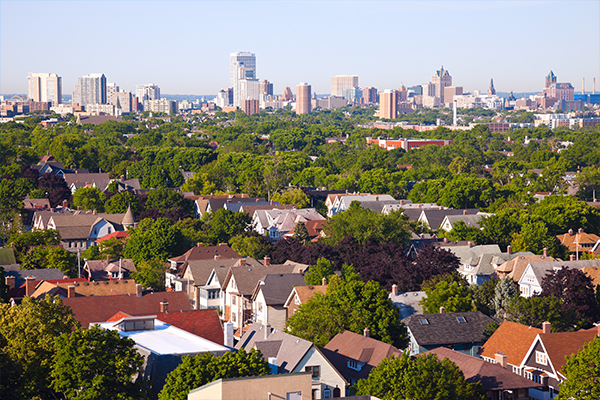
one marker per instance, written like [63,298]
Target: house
[289,354]
[470,220]
[496,381]
[342,202]
[128,185]
[213,203]
[407,302]
[356,355]
[460,331]
[296,386]
[36,204]
[579,242]
[251,208]
[101,308]
[269,297]
[300,295]
[99,180]
[23,282]
[515,267]
[162,345]
[433,217]
[103,270]
[276,223]
[65,288]
[531,280]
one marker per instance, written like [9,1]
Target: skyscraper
[45,87]
[266,88]
[242,66]
[90,89]
[149,91]
[441,79]
[287,94]
[303,98]
[341,82]
[388,104]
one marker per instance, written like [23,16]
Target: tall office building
[242,66]
[148,91]
[441,80]
[266,88]
[287,94]
[110,89]
[303,98]
[341,82]
[369,95]
[90,89]
[45,87]
[388,104]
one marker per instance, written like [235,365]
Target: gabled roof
[593,273]
[304,293]
[247,275]
[277,287]
[349,345]
[101,269]
[7,256]
[31,204]
[541,269]
[251,208]
[515,267]
[512,339]
[101,308]
[445,328]
[492,376]
[575,240]
[201,270]
[435,216]
[45,274]
[114,235]
[408,303]
[206,253]
[100,179]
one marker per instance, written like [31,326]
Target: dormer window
[353,364]
[424,321]
[461,319]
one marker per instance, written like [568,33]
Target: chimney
[65,203]
[545,252]
[95,211]
[138,290]
[401,202]
[164,306]
[546,327]
[107,258]
[324,281]
[395,289]
[442,309]
[509,249]
[501,359]
[71,291]
[29,285]
[470,244]
[572,257]
[198,244]
[267,261]
[122,179]
[570,232]
[580,231]
[445,240]
[366,332]
[267,330]
[10,282]
[228,334]
[464,212]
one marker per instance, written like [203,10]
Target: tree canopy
[583,373]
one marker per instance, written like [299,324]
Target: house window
[233,300]
[233,317]
[424,321]
[260,307]
[327,393]
[540,358]
[461,319]
[352,364]
[315,369]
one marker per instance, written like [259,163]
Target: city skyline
[514,43]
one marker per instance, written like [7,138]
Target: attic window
[424,321]
[461,319]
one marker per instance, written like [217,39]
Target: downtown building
[242,71]
[90,89]
[161,105]
[45,87]
[388,104]
[303,98]
[341,82]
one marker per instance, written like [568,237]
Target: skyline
[184,47]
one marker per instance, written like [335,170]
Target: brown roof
[492,376]
[101,308]
[247,275]
[593,273]
[559,345]
[512,339]
[515,267]
[305,292]
[575,240]
[206,253]
[36,203]
[314,227]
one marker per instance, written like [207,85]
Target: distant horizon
[184,46]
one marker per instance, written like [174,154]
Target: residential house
[289,354]
[433,217]
[65,288]
[579,242]
[213,203]
[269,297]
[36,204]
[496,381]
[99,180]
[515,267]
[356,355]
[460,331]
[128,185]
[531,280]
[276,223]
[56,168]
[296,386]
[300,295]
[342,202]
[23,282]
[103,270]
[407,302]
[251,208]
[470,220]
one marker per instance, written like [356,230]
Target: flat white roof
[167,339]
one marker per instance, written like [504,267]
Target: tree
[4,288]
[301,233]
[96,364]
[583,373]
[51,257]
[151,274]
[292,196]
[195,371]
[251,244]
[421,378]
[118,203]
[535,310]
[483,296]
[55,188]
[505,291]
[352,306]
[155,239]
[89,198]
[322,269]
[23,242]
[223,224]
[27,334]
[535,237]
[450,295]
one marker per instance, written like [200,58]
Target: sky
[184,46]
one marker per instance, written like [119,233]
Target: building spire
[491,89]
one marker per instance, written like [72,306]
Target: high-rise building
[242,66]
[303,98]
[122,100]
[441,79]
[110,89]
[251,107]
[149,91]
[266,88]
[369,95]
[287,94]
[341,82]
[45,87]
[249,89]
[90,89]
[162,105]
[388,104]
[353,95]
[491,89]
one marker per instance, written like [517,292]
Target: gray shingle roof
[38,274]
[277,287]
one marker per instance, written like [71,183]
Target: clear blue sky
[184,46]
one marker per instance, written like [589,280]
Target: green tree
[421,378]
[27,334]
[505,291]
[583,373]
[4,288]
[51,257]
[292,196]
[195,371]
[151,274]
[450,295]
[96,364]
[155,239]
[21,243]
[223,224]
[200,183]
[351,306]
[119,202]
[301,233]
[535,310]
[535,237]
[322,269]
[483,296]
[89,198]
[251,244]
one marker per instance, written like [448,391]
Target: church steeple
[491,89]
[128,218]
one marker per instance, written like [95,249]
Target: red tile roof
[101,308]
[116,234]
[512,339]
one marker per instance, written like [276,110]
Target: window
[233,300]
[461,319]
[540,358]
[315,369]
[327,393]
[424,321]
[260,307]
[352,364]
